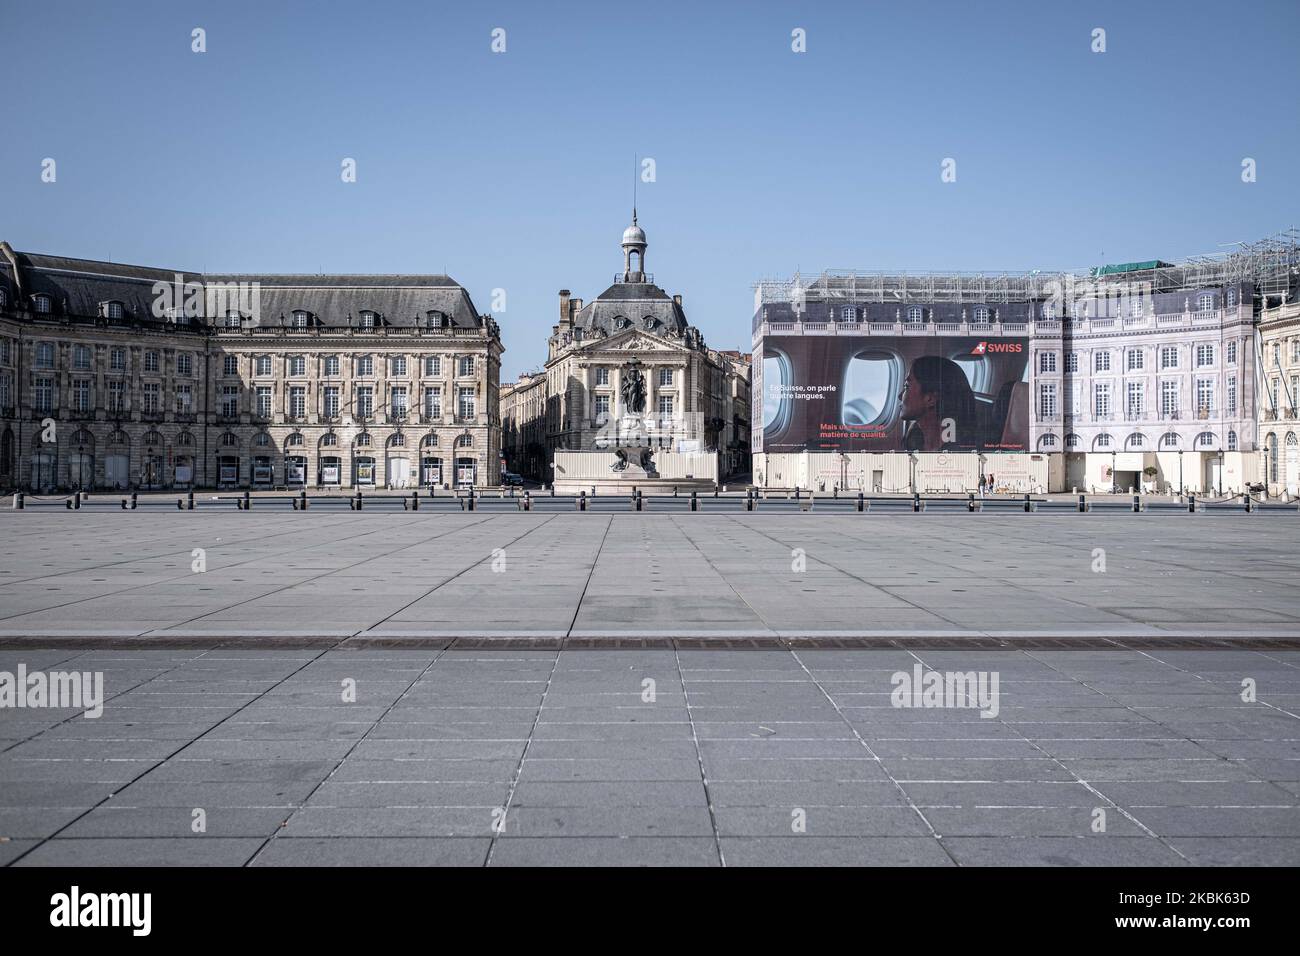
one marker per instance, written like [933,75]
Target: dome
[634,235]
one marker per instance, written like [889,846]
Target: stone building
[116,376]
[632,324]
[735,444]
[1279,402]
[523,425]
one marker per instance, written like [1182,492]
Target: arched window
[981,315]
[465,441]
[434,319]
[329,440]
[1047,441]
[185,440]
[915,314]
[118,438]
[294,440]
[1205,440]
[367,319]
[299,319]
[41,303]
[1102,441]
[1232,441]
[1071,441]
[1136,440]
[397,441]
[262,440]
[430,441]
[228,440]
[362,440]
[1169,440]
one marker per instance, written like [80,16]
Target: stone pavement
[737,757]
[107,574]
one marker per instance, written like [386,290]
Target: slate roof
[634,301]
[77,287]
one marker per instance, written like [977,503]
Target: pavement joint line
[1184,670]
[375,723]
[179,577]
[537,718]
[1078,779]
[317,577]
[699,759]
[144,773]
[857,735]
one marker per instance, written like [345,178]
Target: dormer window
[113,310]
[434,319]
[915,315]
[232,320]
[41,303]
[4,298]
[299,319]
[367,320]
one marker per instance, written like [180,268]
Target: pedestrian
[990,477]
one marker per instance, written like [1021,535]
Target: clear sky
[514,170]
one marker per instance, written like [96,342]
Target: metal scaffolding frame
[1271,265]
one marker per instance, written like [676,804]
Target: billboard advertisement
[876,393]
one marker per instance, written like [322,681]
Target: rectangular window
[365,401]
[467,365]
[397,402]
[230,365]
[331,400]
[1072,362]
[1135,360]
[1232,352]
[230,401]
[117,396]
[184,399]
[297,401]
[1205,397]
[602,376]
[6,390]
[184,364]
[1232,395]
[433,365]
[365,365]
[117,360]
[398,365]
[1047,399]
[152,397]
[465,402]
[264,401]
[44,394]
[1135,402]
[81,395]
[44,355]
[602,407]
[665,377]
[1204,355]
[1101,362]
[665,406]
[433,402]
[81,357]
[1047,361]
[262,365]
[1169,399]
[1101,401]
[1168,356]
[331,365]
[151,361]
[297,365]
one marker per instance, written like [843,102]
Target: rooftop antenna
[634,162]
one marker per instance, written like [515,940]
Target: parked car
[510,478]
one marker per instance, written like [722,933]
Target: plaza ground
[651,689]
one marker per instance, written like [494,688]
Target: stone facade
[117,376]
[523,425]
[1279,402]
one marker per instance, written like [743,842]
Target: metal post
[916,501]
[1137,503]
[695,505]
[582,500]
[1083,503]
[1246,500]
[189,501]
[862,502]
[76,501]
[19,501]
[134,497]
[528,501]
[640,505]
[356,501]
[470,503]
[970,502]
[302,500]
[248,501]
[1191,502]
[415,501]
[1029,503]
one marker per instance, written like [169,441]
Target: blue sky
[515,170]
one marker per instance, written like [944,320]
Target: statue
[633,388]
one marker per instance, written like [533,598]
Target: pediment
[634,340]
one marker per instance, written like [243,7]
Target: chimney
[678,299]
[564,307]
[577,306]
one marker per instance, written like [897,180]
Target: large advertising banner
[923,393]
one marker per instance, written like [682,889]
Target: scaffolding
[1271,266]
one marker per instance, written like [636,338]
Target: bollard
[582,501]
[302,500]
[750,500]
[916,501]
[248,501]
[715,491]
[640,503]
[796,492]
[970,502]
[76,501]
[552,491]
[189,501]
[415,501]
[1083,504]
[674,491]
[470,502]
[1246,500]
[134,497]
[695,504]
[356,501]
[1137,504]
[1029,503]
[862,503]
[528,501]
[68,504]
[180,505]
[1191,502]
[19,501]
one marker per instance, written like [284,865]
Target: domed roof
[634,235]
